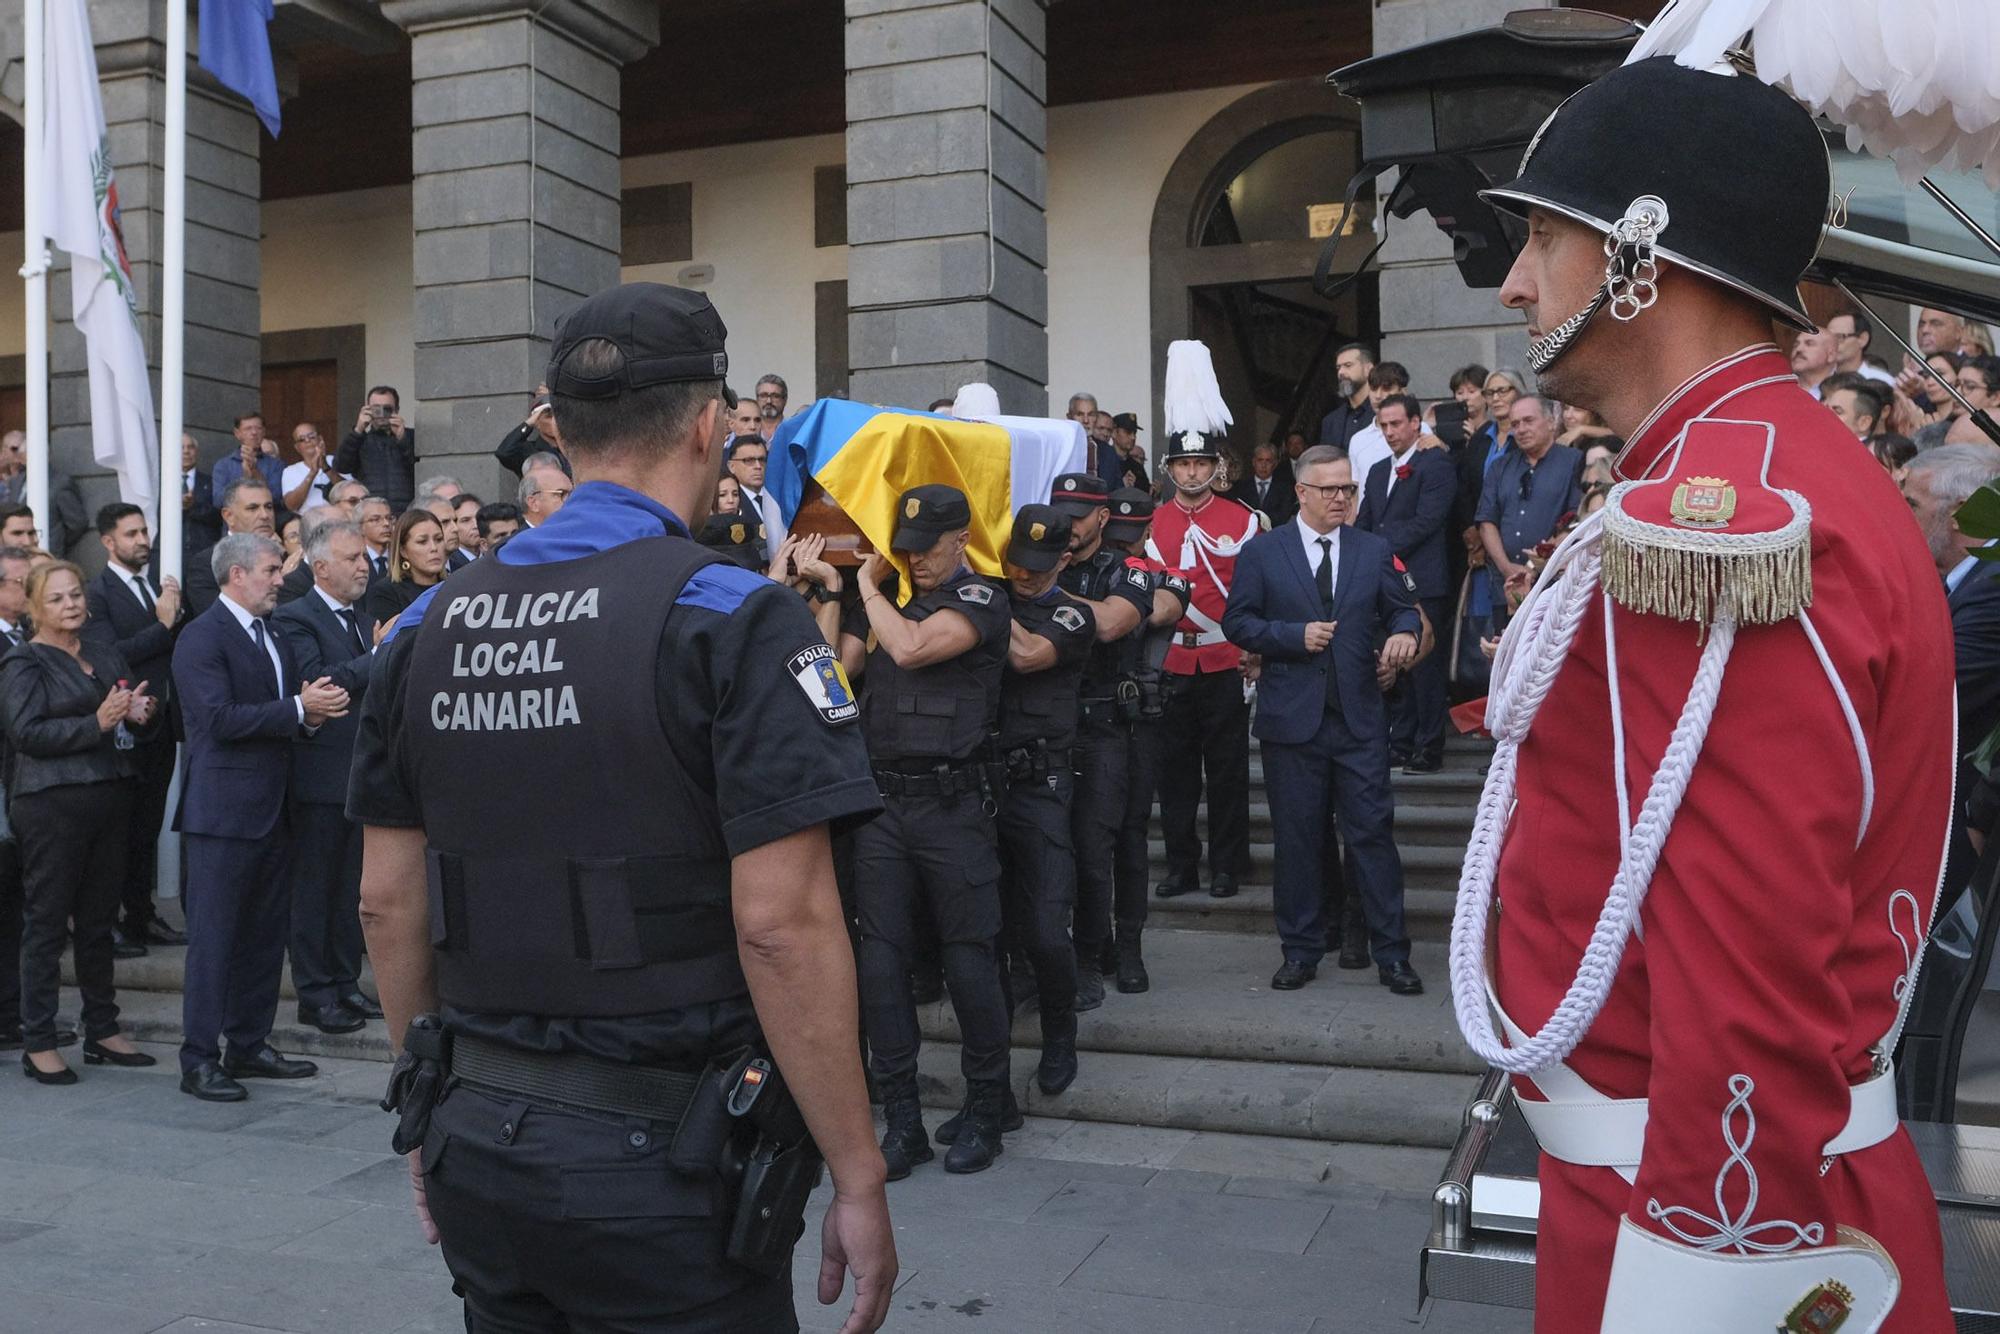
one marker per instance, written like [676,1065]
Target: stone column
[946,187]
[222,344]
[515,202]
[1431,321]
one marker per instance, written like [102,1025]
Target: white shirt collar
[332,601]
[236,609]
[1311,541]
[1958,573]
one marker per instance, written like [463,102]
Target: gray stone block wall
[947,186]
[221,340]
[515,202]
[1431,321]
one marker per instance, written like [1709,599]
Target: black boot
[1131,973]
[978,1142]
[1057,1069]
[1011,1119]
[1089,985]
[904,1143]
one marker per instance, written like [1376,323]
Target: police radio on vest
[509,611]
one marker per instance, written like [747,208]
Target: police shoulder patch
[975,592]
[1138,578]
[1069,618]
[818,671]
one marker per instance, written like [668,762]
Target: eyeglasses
[1974,385]
[1498,391]
[301,439]
[1339,491]
[751,460]
[1843,337]
[559,492]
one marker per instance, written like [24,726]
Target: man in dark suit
[201,523]
[328,636]
[1309,599]
[1407,501]
[1270,489]
[142,616]
[242,713]
[247,507]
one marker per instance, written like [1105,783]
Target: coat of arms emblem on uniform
[1821,1311]
[1703,502]
[911,506]
[1037,531]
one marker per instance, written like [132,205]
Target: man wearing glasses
[1310,597]
[1527,492]
[749,458]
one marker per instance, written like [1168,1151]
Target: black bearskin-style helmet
[1190,445]
[1720,174]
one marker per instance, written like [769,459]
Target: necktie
[1263,487]
[380,564]
[1324,576]
[346,615]
[257,633]
[145,593]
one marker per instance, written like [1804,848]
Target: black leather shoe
[1424,764]
[1354,950]
[125,947]
[1291,976]
[1089,987]
[1056,1070]
[157,932]
[207,1082]
[358,1002]
[1011,1119]
[1174,886]
[41,1076]
[266,1064]
[96,1053]
[1401,979]
[1222,887]
[331,1018]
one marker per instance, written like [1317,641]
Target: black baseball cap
[668,335]
[1078,493]
[926,513]
[1126,421]
[1131,511]
[1041,538]
[737,536]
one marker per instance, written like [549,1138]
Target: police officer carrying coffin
[930,697]
[1120,597]
[626,1013]
[735,536]
[1049,642]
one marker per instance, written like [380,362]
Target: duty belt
[945,780]
[1033,758]
[573,1080]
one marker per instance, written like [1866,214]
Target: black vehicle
[1453,117]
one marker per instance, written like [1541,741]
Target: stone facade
[946,187]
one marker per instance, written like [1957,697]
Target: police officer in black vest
[1120,595]
[1049,643]
[930,697]
[629,1002]
[1130,518]
[738,537]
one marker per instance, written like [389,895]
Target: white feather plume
[1193,400]
[1914,81]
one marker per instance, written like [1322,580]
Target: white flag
[83,220]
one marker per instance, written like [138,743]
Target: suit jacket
[1975,636]
[296,584]
[146,646]
[239,728]
[201,521]
[1415,518]
[198,586]
[1281,499]
[1273,598]
[322,647]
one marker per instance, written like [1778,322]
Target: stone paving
[129,1208]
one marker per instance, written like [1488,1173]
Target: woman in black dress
[416,561]
[72,717]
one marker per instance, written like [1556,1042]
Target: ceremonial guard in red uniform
[1708,853]
[1205,730]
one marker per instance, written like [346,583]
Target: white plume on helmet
[1193,398]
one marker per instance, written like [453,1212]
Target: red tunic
[1209,564]
[1770,947]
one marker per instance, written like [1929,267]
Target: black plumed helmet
[1740,166]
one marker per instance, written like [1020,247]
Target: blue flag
[235,42]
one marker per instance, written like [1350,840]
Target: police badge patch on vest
[1069,618]
[1138,579]
[820,675]
[979,593]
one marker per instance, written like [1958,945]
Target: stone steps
[1209,1048]
[1427,907]
[1420,822]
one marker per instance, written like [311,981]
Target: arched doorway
[1236,229]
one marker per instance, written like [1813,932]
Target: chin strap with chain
[1631,279]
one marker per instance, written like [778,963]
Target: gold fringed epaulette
[1711,536]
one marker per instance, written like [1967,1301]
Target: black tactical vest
[566,877]
[1041,706]
[940,713]
[1119,659]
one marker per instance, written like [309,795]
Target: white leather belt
[1611,1132]
[1189,639]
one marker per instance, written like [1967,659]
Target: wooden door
[13,409]
[304,391]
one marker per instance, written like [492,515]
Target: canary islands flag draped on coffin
[865,457]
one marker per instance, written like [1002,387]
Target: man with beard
[1355,409]
[1722,785]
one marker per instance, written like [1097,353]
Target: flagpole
[173,311]
[35,267]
